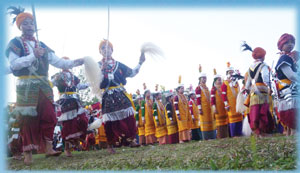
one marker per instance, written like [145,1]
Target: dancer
[172,127]
[182,113]
[29,61]
[149,119]
[194,111]
[257,85]
[286,71]
[230,88]
[203,103]
[217,104]
[73,118]
[140,118]
[118,113]
[161,131]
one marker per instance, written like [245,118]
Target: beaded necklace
[113,65]
[26,45]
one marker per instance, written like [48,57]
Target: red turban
[283,39]
[21,17]
[258,53]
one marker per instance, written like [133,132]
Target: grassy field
[245,153]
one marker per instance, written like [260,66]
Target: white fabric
[288,72]
[284,105]
[17,63]
[246,130]
[82,86]
[118,115]
[25,111]
[135,71]
[226,103]
[70,114]
[265,74]
[14,136]
[96,124]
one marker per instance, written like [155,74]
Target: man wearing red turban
[29,61]
[258,83]
[286,71]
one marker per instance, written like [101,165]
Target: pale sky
[188,37]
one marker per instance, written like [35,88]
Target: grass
[245,153]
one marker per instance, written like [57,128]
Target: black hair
[215,79]
[145,93]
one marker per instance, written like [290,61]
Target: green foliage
[244,153]
[86,96]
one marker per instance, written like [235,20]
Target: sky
[187,36]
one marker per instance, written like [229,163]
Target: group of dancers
[203,115]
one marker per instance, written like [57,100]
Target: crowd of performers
[199,114]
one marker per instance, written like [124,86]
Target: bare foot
[53,153]
[28,157]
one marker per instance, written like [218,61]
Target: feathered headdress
[200,71]
[156,88]
[245,47]
[20,15]
[163,88]
[144,86]
[179,82]
[215,74]
[257,53]
[229,67]
[15,11]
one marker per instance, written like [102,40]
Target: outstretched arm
[64,63]
[136,70]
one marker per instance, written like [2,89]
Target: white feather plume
[94,76]
[152,50]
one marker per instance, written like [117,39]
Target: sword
[35,24]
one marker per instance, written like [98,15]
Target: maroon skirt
[173,139]
[260,119]
[35,130]
[120,132]
[288,118]
[75,129]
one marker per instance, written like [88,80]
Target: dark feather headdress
[15,11]
[245,47]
